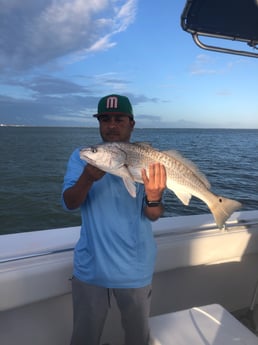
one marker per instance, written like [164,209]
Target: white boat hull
[197,265]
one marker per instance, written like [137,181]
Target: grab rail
[241,224]
[35,255]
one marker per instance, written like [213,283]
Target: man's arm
[154,185]
[74,196]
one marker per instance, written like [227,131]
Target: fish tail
[222,208]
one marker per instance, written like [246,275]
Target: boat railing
[23,245]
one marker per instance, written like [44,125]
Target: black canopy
[223,19]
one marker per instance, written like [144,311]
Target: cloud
[36,32]
[202,65]
[112,81]
[44,99]
[48,85]
[47,100]
[126,15]
[45,110]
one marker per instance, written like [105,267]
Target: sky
[59,57]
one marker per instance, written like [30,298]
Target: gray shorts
[90,308]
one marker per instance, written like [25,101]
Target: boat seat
[223,19]
[211,325]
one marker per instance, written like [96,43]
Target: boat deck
[249,318]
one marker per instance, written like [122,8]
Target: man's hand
[93,173]
[75,195]
[155,183]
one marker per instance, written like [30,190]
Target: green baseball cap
[115,104]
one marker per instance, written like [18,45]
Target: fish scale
[174,168]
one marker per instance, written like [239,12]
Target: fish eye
[94,149]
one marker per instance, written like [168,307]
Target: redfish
[183,177]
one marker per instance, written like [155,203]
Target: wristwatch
[152,203]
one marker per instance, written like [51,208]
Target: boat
[205,286]
[197,265]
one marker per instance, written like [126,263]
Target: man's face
[115,127]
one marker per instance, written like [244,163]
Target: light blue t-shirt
[116,248]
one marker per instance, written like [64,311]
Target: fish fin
[136,173]
[130,186]
[222,209]
[183,196]
[128,180]
[123,172]
[190,165]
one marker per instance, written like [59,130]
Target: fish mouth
[84,156]
[91,162]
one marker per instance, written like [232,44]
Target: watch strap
[152,203]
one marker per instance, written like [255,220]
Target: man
[115,254]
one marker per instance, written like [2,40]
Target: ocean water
[33,163]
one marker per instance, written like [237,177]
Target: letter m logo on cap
[112,102]
[115,104]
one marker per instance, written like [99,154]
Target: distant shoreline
[3,125]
